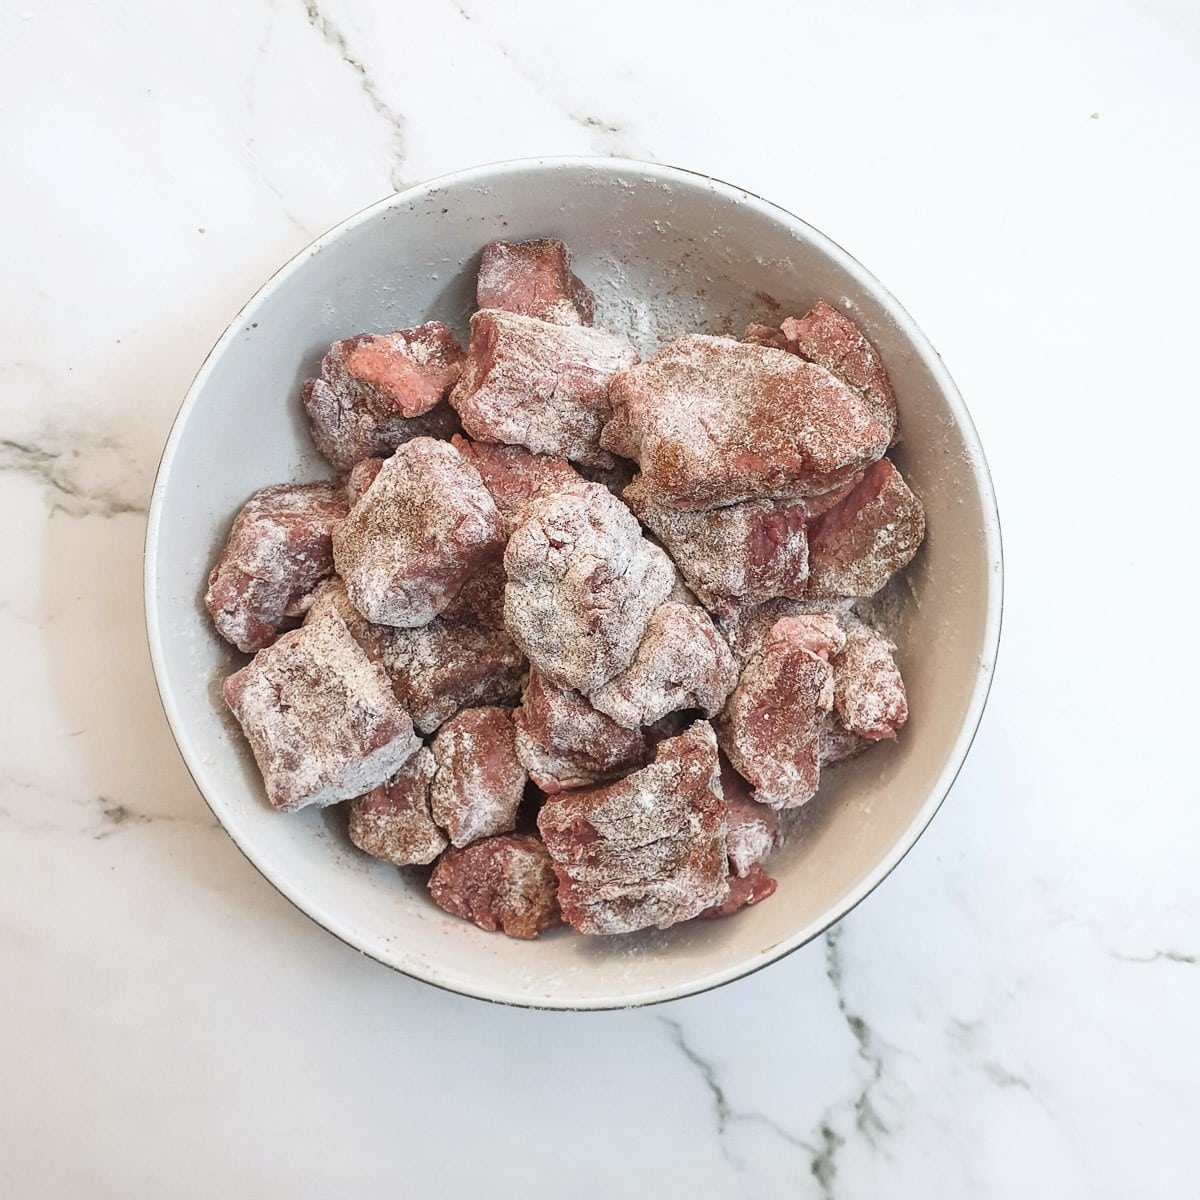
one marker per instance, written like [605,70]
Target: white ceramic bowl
[665,251]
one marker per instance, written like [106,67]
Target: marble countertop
[1015,1012]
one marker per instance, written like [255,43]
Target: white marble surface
[1016,1011]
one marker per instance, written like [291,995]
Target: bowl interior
[665,252]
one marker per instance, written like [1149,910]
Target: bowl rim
[993,620]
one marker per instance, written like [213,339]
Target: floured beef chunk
[753,828]
[504,883]
[739,554]
[646,850]
[765,335]
[376,391]
[542,386]
[683,662]
[279,549]
[516,477]
[869,697]
[320,717]
[564,742]
[855,547]
[479,781]
[421,530]
[712,421]
[533,279]
[360,477]
[772,727]
[744,890]
[582,585]
[831,340]
[393,822]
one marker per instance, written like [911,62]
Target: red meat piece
[818,505]
[646,850]
[746,626]
[838,744]
[683,662]
[765,335]
[756,885]
[360,477]
[868,692]
[425,526]
[856,547]
[463,657]
[320,717]
[831,340]
[582,585]
[712,421]
[773,723]
[533,279]
[516,477]
[740,554]
[480,781]
[503,883]
[564,742]
[375,391]
[279,549]
[529,383]
[394,822]
[753,828]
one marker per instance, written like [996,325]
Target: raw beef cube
[331,594]
[529,383]
[516,476]
[376,391]
[712,421]
[683,662]
[739,554]
[831,340]
[868,693]
[746,627]
[771,729]
[394,822]
[756,885]
[856,547]
[279,549]
[582,584]
[533,279]
[564,742]
[425,526]
[646,850]
[765,335]
[503,883]
[819,505]
[360,477]
[321,718]
[753,827]
[480,781]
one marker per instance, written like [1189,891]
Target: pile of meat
[572,627]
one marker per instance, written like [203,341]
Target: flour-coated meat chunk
[533,279]
[869,697]
[738,554]
[648,850]
[278,550]
[564,742]
[682,662]
[320,717]
[360,477]
[582,585]
[753,828]
[542,386]
[772,727]
[479,782]
[375,391]
[855,547]
[422,529]
[765,335]
[711,421]
[516,476]
[831,340]
[752,888]
[504,883]
[393,821]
